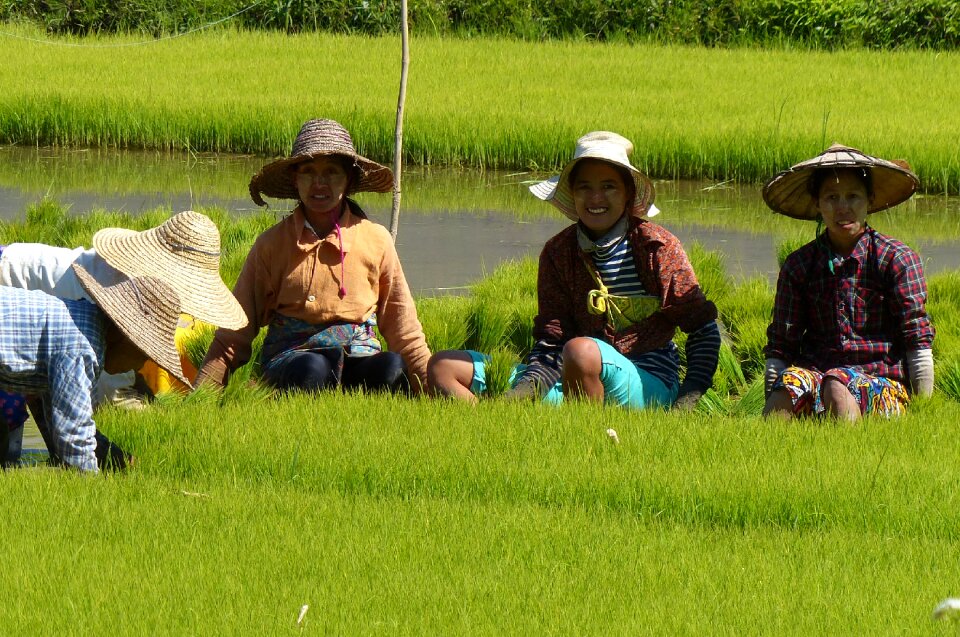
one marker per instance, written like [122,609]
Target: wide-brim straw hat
[318,137]
[184,252]
[788,194]
[609,147]
[146,310]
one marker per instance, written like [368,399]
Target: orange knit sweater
[290,271]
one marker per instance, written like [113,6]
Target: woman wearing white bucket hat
[850,333]
[612,289]
[324,279]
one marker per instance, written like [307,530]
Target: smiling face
[322,184]
[599,195]
[843,201]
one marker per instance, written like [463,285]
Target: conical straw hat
[609,147]
[316,138]
[146,310]
[788,193]
[183,252]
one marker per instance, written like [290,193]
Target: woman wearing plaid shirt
[850,333]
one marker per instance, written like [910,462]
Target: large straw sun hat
[612,148]
[184,252]
[316,138]
[146,310]
[788,194]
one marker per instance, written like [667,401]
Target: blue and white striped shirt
[54,349]
[618,271]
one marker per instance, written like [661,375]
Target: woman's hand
[687,399]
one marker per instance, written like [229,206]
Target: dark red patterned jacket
[563,285]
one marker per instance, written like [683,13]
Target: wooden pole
[398,139]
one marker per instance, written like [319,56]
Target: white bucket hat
[606,146]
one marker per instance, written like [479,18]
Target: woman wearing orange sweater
[323,278]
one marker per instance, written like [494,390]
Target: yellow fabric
[159,380]
[621,311]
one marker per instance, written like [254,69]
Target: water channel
[455,224]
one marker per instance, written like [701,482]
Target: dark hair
[625,175]
[820,175]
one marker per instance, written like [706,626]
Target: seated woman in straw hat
[323,279]
[184,252]
[612,290]
[54,349]
[850,333]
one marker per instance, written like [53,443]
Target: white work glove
[920,371]
[771,371]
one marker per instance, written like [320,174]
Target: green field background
[691,112]
[890,24]
[396,516]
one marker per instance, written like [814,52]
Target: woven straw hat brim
[146,310]
[276,179]
[788,195]
[556,190]
[184,252]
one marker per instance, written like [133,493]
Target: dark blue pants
[313,371]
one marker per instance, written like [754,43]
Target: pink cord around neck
[335,218]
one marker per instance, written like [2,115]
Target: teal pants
[623,382]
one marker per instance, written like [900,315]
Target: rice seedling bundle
[497,315]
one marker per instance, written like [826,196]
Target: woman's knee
[308,371]
[834,393]
[390,372]
[778,402]
[447,369]
[382,371]
[583,354]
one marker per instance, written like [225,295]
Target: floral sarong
[874,394]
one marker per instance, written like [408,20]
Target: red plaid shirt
[866,313]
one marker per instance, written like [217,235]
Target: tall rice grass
[691,112]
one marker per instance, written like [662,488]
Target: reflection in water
[455,224]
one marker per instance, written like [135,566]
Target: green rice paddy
[412,516]
[400,516]
[409,517]
[718,114]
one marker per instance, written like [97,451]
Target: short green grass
[412,516]
[398,516]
